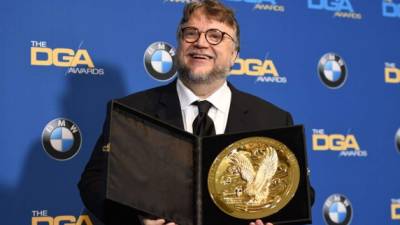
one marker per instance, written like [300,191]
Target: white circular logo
[332,70]
[337,210]
[61,139]
[160,61]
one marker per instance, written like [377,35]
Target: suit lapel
[169,109]
[237,113]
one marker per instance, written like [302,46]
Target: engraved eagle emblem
[257,182]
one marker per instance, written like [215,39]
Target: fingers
[153,222]
[171,223]
[259,222]
[157,222]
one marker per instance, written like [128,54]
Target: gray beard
[217,73]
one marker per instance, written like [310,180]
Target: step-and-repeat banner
[334,64]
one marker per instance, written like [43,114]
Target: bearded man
[208,44]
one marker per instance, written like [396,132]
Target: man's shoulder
[254,102]
[142,95]
[259,113]
[142,99]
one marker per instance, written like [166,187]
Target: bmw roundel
[160,61]
[61,139]
[337,210]
[332,70]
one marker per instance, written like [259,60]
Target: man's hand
[259,222]
[156,222]
[162,222]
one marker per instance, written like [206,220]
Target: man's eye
[191,33]
[214,36]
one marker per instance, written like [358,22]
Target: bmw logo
[397,140]
[61,139]
[160,61]
[337,210]
[332,70]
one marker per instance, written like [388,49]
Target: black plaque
[162,170]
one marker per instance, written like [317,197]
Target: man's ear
[234,58]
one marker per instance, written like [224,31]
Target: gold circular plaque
[253,178]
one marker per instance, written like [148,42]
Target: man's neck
[204,90]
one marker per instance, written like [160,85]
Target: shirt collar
[186,96]
[220,99]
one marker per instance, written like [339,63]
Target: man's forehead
[202,17]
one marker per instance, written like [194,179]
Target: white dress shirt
[220,99]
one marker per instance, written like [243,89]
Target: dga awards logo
[263,70]
[160,61]
[395,209]
[337,210]
[392,73]
[341,8]
[397,140]
[180,1]
[332,70]
[391,9]
[61,139]
[77,62]
[344,144]
[267,5]
[41,217]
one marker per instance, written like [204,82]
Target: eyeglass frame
[205,35]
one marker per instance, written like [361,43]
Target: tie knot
[203,106]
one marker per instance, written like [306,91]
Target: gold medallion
[253,178]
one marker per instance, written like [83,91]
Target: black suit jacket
[246,113]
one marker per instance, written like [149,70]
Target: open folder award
[227,179]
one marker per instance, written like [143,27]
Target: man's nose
[202,41]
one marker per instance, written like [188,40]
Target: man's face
[201,61]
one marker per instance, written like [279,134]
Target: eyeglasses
[213,36]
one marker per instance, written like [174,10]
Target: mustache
[200,53]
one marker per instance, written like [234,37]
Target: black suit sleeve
[93,185]
[93,181]
[289,119]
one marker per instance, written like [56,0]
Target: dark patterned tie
[203,124]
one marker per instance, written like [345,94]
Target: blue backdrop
[334,64]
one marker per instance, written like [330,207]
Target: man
[208,44]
